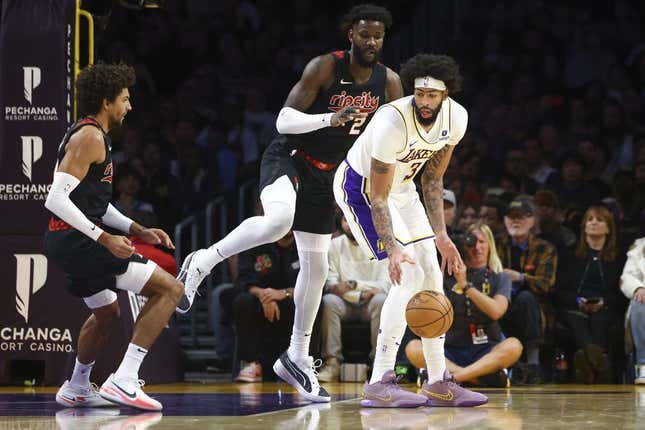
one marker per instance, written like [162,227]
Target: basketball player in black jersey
[324,113]
[97,262]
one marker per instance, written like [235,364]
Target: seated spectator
[263,311]
[632,283]
[531,263]
[587,297]
[551,228]
[127,200]
[355,291]
[467,216]
[477,351]
[491,213]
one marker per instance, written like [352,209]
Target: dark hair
[440,67]
[101,81]
[608,252]
[367,12]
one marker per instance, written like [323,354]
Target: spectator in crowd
[550,221]
[127,200]
[515,167]
[574,193]
[531,264]
[263,310]
[449,210]
[467,216]
[355,291]
[491,213]
[587,295]
[632,283]
[477,351]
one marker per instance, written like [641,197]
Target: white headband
[429,82]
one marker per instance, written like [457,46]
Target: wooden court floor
[276,406]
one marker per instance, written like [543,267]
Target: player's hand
[119,246]
[156,236]
[267,295]
[348,113]
[449,253]
[271,311]
[397,257]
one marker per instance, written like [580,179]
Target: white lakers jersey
[395,137]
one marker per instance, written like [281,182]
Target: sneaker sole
[113,396]
[284,374]
[374,403]
[181,277]
[466,404]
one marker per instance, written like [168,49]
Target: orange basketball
[429,314]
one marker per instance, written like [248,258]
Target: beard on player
[366,57]
[426,115]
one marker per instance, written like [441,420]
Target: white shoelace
[311,369]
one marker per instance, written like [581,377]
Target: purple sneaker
[387,394]
[448,393]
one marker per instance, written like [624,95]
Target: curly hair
[367,12]
[101,81]
[440,67]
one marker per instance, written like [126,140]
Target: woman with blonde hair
[587,294]
[476,349]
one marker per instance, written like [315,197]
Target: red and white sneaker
[251,372]
[128,392]
[71,396]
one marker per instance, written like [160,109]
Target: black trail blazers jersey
[94,193]
[330,144]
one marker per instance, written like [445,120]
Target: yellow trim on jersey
[405,124]
[418,239]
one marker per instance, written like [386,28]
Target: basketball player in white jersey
[375,188]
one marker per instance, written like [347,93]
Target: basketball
[429,314]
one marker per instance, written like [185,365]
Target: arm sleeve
[292,121]
[116,219]
[388,134]
[59,203]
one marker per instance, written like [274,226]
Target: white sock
[132,360]
[314,268]
[435,359]
[393,321]
[252,232]
[81,375]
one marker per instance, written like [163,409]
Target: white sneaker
[128,392]
[71,396]
[639,377]
[251,372]
[191,276]
[331,371]
[303,376]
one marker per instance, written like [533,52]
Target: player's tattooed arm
[381,175]
[432,187]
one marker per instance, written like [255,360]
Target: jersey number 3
[414,167]
[356,126]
